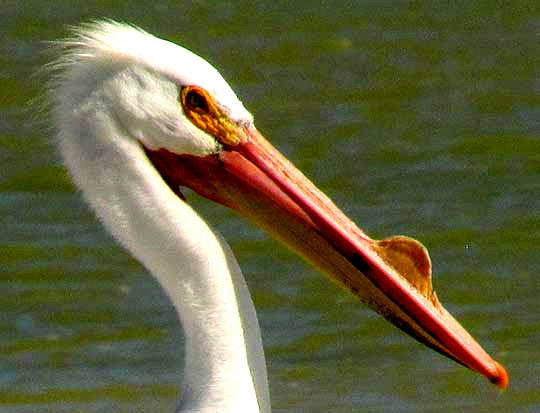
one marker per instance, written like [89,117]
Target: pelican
[136,119]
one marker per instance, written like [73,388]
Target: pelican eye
[201,109]
[196,101]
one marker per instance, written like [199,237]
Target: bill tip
[501,378]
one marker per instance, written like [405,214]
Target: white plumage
[109,96]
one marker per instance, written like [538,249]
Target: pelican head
[139,118]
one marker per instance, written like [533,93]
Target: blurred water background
[417,118]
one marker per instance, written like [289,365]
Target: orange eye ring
[195,99]
[201,109]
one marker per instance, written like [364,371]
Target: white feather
[117,86]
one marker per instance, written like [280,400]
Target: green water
[416,118]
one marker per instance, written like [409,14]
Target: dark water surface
[416,118]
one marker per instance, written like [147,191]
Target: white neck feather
[225,367]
